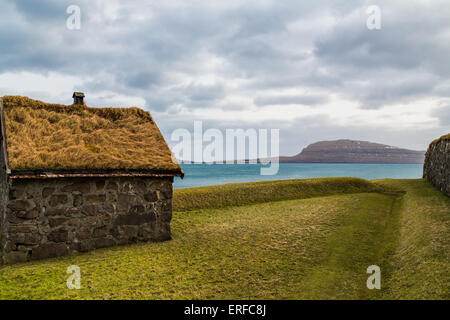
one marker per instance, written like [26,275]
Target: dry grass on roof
[43,136]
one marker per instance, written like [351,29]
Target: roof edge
[55,174]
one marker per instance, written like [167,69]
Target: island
[351,151]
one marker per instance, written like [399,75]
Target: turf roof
[44,136]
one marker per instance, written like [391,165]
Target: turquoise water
[197,175]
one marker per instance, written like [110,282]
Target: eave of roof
[92,174]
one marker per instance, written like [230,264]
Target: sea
[198,175]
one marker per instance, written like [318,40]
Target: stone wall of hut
[54,217]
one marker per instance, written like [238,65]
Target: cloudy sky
[310,68]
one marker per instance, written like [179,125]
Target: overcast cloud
[310,68]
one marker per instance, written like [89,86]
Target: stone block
[72,212]
[163,232]
[134,219]
[100,232]
[15,193]
[56,221]
[24,238]
[30,214]
[140,186]
[47,191]
[44,229]
[86,245]
[74,223]
[58,236]
[82,187]
[95,198]
[126,201]
[83,234]
[19,205]
[137,209]
[11,216]
[146,231]
[166,216]
[77,200]
[22,228]
[151,196]
[15,257]
[103,243]
[112,186]
[54,212]
[100,185]
[58,199]
[156,185]
[166,194]
[130,232]
[89,209]
[49,250]
[166,205]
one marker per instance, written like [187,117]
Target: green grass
[238,194]
[289,249]
[420,266]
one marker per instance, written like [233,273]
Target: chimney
[78,97]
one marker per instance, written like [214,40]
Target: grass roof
[44,136]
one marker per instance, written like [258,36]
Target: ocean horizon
[198,175]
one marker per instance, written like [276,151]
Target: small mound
[237,194]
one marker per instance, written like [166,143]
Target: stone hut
[75,178]
[436,167]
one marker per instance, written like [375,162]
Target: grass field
[302,246]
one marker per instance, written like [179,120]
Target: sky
[312,69]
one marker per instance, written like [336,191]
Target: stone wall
[437,165]
[55,217]
[3,196]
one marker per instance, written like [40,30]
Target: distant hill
[350,151]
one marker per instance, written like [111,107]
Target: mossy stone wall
[436,168]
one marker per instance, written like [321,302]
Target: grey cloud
[409,38]
[412,44]
[43,9]
[443,115]
[142,80]
[199,92]
[304,99]
[383,92]
[194,95]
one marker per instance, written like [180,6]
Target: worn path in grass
[420,266]
[295,249]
